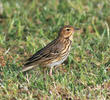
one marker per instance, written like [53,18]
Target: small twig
[7,51]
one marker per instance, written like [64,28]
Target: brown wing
[51,51]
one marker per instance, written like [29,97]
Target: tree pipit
[55,53]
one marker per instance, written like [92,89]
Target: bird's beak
[76,29]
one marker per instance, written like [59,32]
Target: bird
[54,53]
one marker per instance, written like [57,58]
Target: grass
[27,26]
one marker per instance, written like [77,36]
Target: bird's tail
[26,68]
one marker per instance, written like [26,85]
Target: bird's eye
[68,29]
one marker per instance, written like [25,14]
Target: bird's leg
[51,71]
[56,67]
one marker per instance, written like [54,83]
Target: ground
[28,25]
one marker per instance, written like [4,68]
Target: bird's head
[67,32]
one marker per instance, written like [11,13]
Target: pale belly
[56,63]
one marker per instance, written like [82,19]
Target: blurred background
[28,25]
